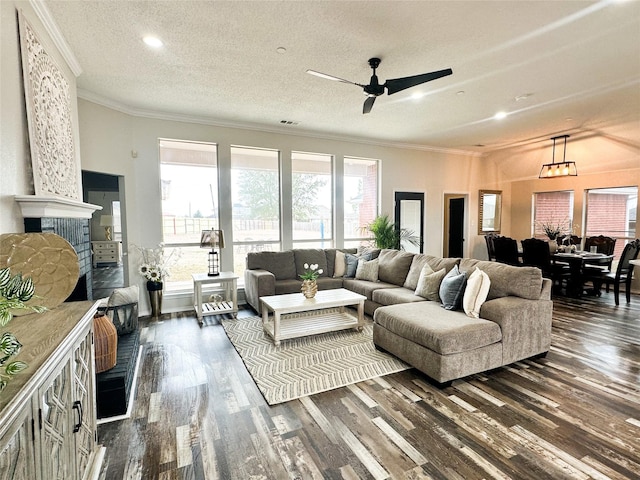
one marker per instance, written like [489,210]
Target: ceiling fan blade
[331,77]
[395,85]
[368,104]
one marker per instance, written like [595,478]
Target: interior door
[409,214]
[455,244]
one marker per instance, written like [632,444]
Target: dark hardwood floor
[572,415]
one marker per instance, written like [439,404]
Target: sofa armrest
[258,283]
[525,325]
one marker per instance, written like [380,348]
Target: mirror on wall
[489,211]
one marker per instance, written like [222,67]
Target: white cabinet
[106,252]
[48,412]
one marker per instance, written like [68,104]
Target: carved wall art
[56,168]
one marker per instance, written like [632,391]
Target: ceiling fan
[393,85]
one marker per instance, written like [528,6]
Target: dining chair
[623,273]
[491,250]
[536,253]
[604,245]
[506,250]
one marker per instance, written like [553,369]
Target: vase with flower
[554,230]
[154,266]
[309,280]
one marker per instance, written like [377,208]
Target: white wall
[15,160]
[109,137]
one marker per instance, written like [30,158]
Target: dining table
[577,262]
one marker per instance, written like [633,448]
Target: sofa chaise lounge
[513,323]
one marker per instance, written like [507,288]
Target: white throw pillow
[367,270]
[124,296]
[476,293]
[340,265]
[429,283]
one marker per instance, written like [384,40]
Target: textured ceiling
[577,63]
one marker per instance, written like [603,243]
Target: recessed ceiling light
[281,50]
[461,92]
[524,96]
[154,42]
[417,95]
[500,115]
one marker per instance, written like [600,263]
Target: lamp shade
[212,239]
[106,220]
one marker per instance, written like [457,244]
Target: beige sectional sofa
[514,322]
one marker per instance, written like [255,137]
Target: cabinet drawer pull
[77,405]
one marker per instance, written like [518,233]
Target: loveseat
[508,319]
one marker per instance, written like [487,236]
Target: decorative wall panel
[56,167]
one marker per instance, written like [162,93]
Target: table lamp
[106,221]
[213,239]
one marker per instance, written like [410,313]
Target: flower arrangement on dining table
[155,263]
[555,229]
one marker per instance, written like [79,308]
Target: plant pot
[309,288]
[155,297]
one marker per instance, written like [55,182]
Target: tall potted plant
[387,234]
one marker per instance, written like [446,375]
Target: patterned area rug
[308,365]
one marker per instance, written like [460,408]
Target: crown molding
[59,41]
[159,115]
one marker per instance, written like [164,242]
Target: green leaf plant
[15,291]
[387,234]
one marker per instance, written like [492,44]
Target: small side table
[226,280]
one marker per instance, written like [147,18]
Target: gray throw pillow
[452,289]
[352,263]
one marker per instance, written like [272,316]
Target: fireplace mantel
[35,206]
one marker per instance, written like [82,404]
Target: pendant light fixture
[560,169]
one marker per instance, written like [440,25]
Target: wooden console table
[48,411]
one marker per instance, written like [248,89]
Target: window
[612,212]
[255,193]
[361,205]
[552,208]
[189,182]
[312,205]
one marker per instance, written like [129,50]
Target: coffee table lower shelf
[310,324]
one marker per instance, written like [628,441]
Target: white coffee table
[280,328]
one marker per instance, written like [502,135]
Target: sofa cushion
[287,286]
[351,262]
[393,296]
[394,266]
[281,264]
[420,260]
[475,293]
[429,283]
[367,270]
[444,332]
[452,289]
[310,256]
[506,280]
[364,287]
[340,265]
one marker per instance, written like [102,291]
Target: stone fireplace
[69,219]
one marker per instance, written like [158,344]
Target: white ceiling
[578,62]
